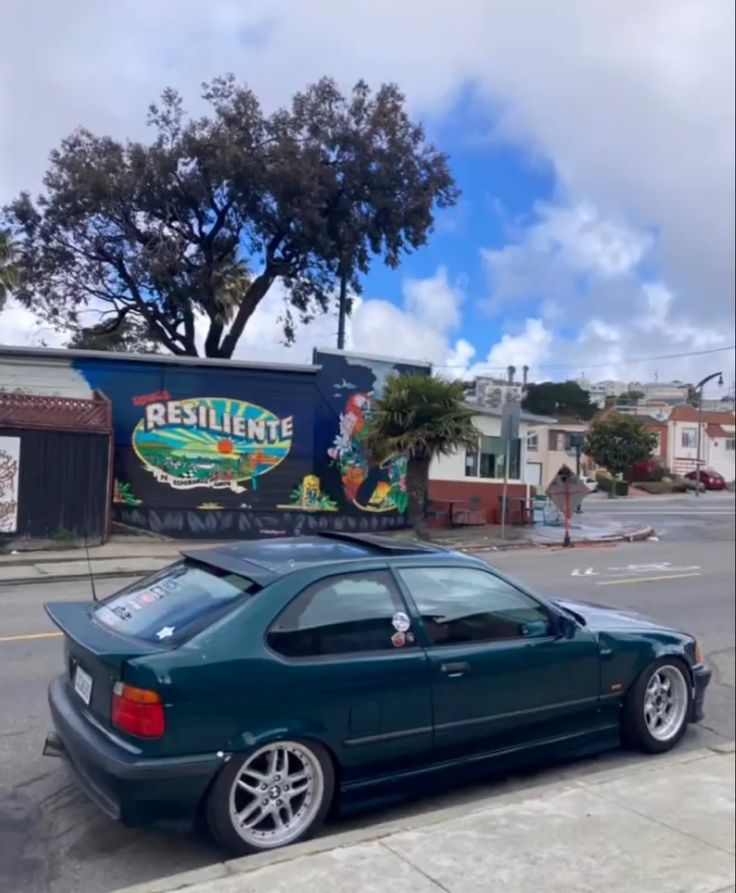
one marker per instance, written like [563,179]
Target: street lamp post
[699,390]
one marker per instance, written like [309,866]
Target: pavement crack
[657,821]
[416,868]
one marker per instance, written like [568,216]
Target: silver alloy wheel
[276,794]
[665,702]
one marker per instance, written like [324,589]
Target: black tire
[634,728]
[217,811]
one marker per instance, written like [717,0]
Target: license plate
[83,685]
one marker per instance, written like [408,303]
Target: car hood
[599,618]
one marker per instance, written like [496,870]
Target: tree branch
[253,297]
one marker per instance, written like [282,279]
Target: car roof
[267,559]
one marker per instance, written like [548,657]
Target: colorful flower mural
[349,455]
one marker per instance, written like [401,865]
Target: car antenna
[89,568]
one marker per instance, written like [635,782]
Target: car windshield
[176,603]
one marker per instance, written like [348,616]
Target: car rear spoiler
[76,620]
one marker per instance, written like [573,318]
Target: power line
[668,356]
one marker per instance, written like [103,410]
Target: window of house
[532,442]
[731,443]
[345,614]
[689,437]
[463,605]
[492,458]
[488,461]
[471,464]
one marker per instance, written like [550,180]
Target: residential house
[717,441]
[550,446]
[479,473]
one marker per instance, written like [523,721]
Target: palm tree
[8,267]
[421,417]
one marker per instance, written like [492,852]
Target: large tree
[618,442]
[194,228]
[559,398]
[422,417]
[8,266]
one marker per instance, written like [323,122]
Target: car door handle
[456,669]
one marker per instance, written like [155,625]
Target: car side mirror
[566,626]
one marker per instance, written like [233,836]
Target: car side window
[344,614]
[462,605]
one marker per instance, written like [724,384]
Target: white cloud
[630,102]
[579,271]
[20,326]
[529,347]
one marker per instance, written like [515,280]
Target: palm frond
[421,416]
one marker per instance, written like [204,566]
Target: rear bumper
[701,680]
[135,790]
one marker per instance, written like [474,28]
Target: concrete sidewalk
[132,556]
[663,825]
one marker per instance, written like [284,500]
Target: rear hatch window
[175,604]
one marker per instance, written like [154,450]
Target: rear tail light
[137,711]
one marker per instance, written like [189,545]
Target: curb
[72,578]
[638,536]
[241,867]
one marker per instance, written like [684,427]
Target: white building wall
[721,456]
[55,377]
[452,468]
[682,456]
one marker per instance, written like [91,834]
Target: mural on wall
[276,450]
[122,492]
[9,474]
[308,497]
[355,383]
[211,442]
[350,458]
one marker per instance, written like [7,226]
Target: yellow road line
[645,579]
[30,636]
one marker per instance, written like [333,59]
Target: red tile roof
[718,431]
[684,412]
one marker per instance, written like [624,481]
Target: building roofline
[482,409]
[64,353]
[331,351]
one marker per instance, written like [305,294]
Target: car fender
[626,657]
[253,738]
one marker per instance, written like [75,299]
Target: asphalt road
[53,841]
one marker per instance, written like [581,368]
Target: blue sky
[593,143]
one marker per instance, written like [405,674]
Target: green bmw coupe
[257,685]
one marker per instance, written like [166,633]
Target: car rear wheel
[273,796]
[658,707]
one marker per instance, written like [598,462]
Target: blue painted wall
[217,451]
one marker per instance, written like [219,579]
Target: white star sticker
[165,632]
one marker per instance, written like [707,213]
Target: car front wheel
[276,795]
[657,708]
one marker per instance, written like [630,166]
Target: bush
[655,488]
[646,470]
[608,484]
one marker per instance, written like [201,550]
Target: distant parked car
[710,480]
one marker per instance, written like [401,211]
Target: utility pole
[699,390]
[342,308]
